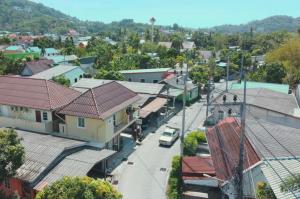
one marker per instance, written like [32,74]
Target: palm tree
[152,21]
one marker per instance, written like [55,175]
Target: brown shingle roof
[224,145]
[100,102]
[39,66]
[34,93]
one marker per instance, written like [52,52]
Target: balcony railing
[127,121]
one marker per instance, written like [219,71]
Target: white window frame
[78,122]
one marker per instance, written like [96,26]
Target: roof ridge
[48,93]
[94,99]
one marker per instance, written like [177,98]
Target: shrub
[263,191]
[175,181]
[191,142]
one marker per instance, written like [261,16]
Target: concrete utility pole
[207,99]
[185,77]
[240,169]
[227,73]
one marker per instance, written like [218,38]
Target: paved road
[146,177]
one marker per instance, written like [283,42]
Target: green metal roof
[282,88]
[13,48]
[34,49]
[51,51]
[151,70]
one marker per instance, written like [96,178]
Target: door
[38,116]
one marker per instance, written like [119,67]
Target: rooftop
[55,71]
[265,98]
[39,66]
[34,93]
[194,167]
[101,102]
[151,70]
[282,88]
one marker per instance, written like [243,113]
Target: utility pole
[207,99]
[183,111]
[152,21]
[240,169]
[227,73]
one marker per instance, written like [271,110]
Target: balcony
[126,121]
[26,124]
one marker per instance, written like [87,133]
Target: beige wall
[96,130]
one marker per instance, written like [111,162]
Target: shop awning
[153,107]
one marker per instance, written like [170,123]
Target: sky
[187,13]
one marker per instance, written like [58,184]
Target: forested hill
[270,24]
[28,16]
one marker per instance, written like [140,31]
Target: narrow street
[145,174]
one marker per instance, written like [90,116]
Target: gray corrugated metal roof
[273,178]
[265,98]
[144,88]
[77,164]
[264,141]
[54,72]
[40,151]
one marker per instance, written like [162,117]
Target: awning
[153,107]
[173,92]
[76,164]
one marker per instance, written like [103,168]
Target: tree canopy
[79,187]
[12,153]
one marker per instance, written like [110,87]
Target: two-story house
[30,104]
[100,114]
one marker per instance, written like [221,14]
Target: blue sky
[188,13]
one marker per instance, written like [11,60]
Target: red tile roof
[34,93]
[194,167]
[101,102]
[39,66]
[224,143]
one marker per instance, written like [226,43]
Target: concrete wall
[95,130]
[25,119]
[149,77]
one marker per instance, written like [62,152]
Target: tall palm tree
[152,21]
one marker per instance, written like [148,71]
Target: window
[45,116]
[129,79]
[80,76]
[155,81]
[143,80]
[75,80]
[81,122]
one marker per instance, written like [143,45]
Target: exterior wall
[149,77]
[74,74]
[95,130]
[251,178]
[16,186]
[25,120]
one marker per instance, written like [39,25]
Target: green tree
[12,153]
[291,183]
[199,74]
[177,40]
[271,73]
[62,80]
[79,187]
[175,181]
[191,142]
[263,191]
[110,75]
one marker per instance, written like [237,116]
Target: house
[34,67]
[151,103]
[168,45]
[86,63]
[188,45]
[72,73]
[282,88]
[30,104]
[262,103]
[62,59]
[100,114]
[176,85]
[207,55]
[264,148]
[49,158]
[153,75]
[34,49]
[51,52]
[14,49]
